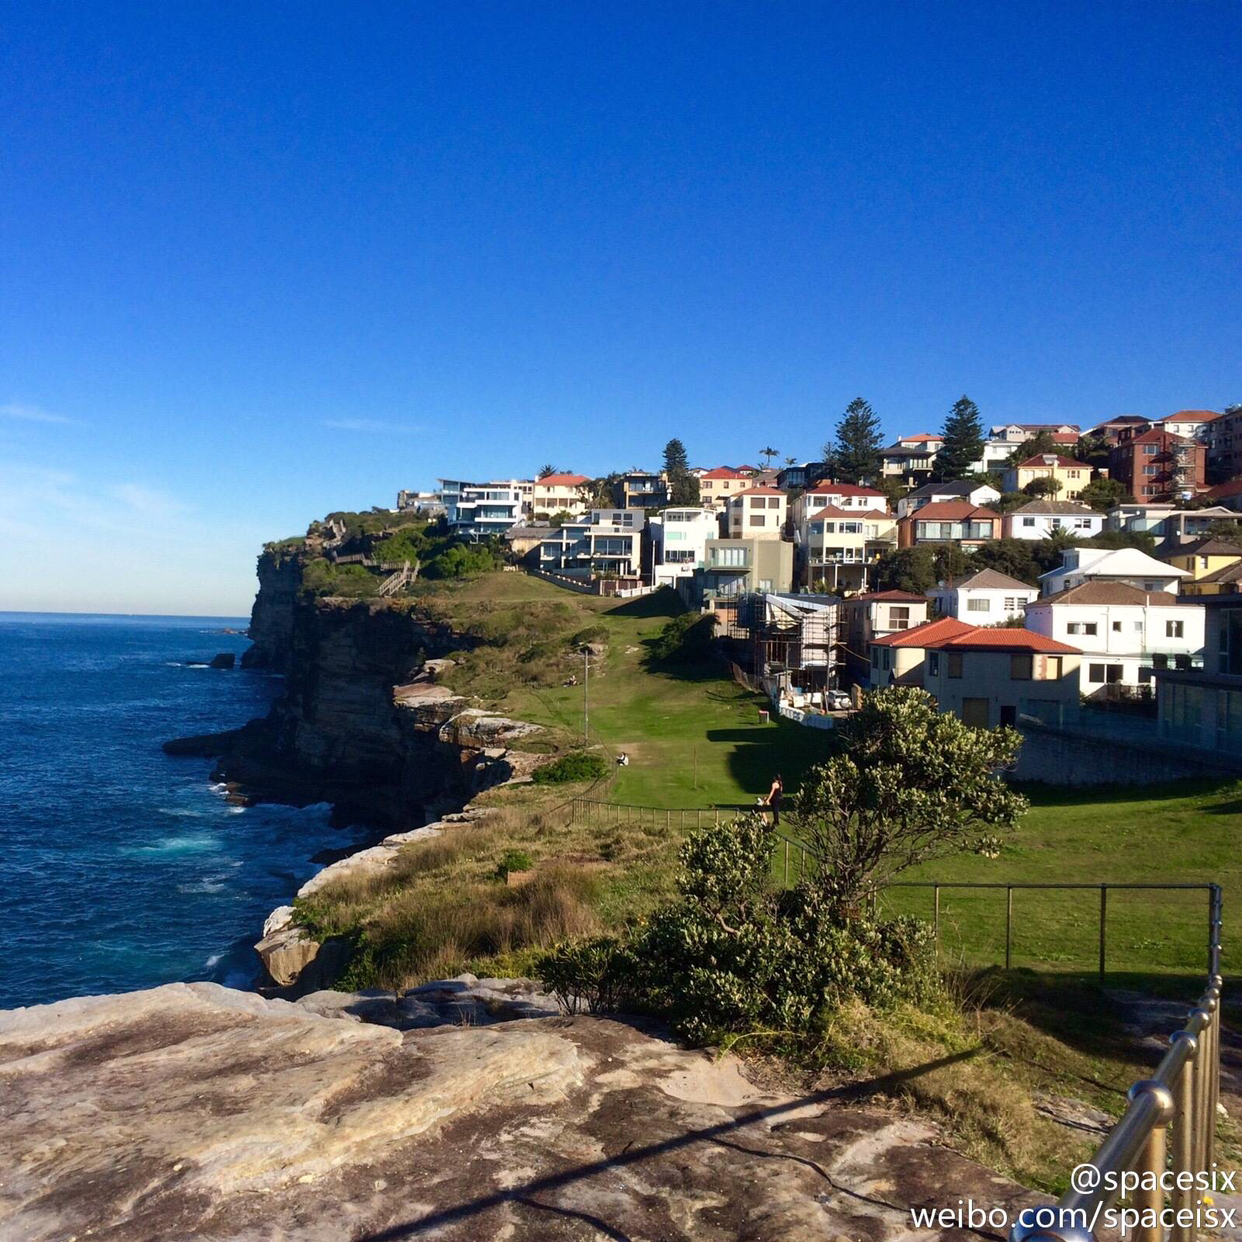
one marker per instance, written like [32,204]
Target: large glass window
[1020,666]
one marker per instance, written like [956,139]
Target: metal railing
[1137,1158]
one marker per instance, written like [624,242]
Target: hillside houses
[983,598]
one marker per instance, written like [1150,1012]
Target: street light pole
[586,706]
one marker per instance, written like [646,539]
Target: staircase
[398,580]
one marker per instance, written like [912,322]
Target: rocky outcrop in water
[191,1111]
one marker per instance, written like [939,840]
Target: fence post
[1150,1200]
[1184,1137]
[786,862]
[936,916]
[1103,928]
[1008,925]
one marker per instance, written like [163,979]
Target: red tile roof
[758,491]
[724,472]
[950,511]
[896,597]
[1152,437]
[1005,640]
[1192,416]
[1223,490]
[919,437]
[929,634]
[563,480]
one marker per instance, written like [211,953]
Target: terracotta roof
[1192,416]
[562,480]
[895,597]
[1006,640]
[949,511]
[842,489]
[919,437]
[1107,593]
[1152,437]
[724,472]
[930,633]
[758,491]
[1223,490]
[748,469]
[1039,459]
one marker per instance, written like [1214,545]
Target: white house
[985,598]
[486,510]
[1041,518]
[1124,632]
[848,496]
[560,493]
[604,541]
[1079,565]
[679,542]
[963,489]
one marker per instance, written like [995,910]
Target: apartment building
[678,542]
[1224,445]
[716,486]
[977,494]
[983,598]
[1043,518]
[756,512]
[1156,465]
[1071,475]
[560,493]
[1168,523]
[1125,633]
[640,489]
[877,614]
[602,542]
[837,548]
[1202,707]
[736,567]
[948,521]
[912,458]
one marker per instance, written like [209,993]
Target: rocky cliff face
[192,1111]
[271,618]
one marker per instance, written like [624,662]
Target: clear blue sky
[260,261]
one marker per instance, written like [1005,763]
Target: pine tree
[963,442]
[856,454]
[683,487]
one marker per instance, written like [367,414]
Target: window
[1174,629]
[1099,674]
[1020,666]
[1082,523]
[1074,627]
[899,618]
[729,557]
[1150,450]
[875,657]
[888,660]
[933,663]
[955,664]
[1150,470]
[1030,522]
[757,519]
[978,605]
[1011,603]
[1138,627]
[1052,668]
[774,502]
[1116,627]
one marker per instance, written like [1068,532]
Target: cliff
[193,1111]
[271,618]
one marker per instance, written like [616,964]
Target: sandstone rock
[285,954]
[194,1112]
[479,729]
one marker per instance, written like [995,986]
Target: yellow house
[1072,475]
[1203,559]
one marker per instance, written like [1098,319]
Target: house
[1226,495]
[877,615]
[948,521]
[486,510]
[1014,434]
[995,457]
[678,542]
[735,567]
[756,511]
[911,458]
[1110,429]
[430,504]
[1072,475]
[801,475]
[1155,465]
[796,644]
[1203,557]
[716,486]
[1125,633]
[1040,518]
[898,659]
[1202,708]
[1226,581]
[523,539]
[1167,522]
[842,495]
[984,598]
[640,489]
[977,494]
[1191,424]
[837,548]
[604,542]
[560,493]
[991,677]
[1079,565]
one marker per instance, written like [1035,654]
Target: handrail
[1184,1094]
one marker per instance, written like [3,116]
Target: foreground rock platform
[191,1111]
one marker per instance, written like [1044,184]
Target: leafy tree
[1040,442]
[1224,528]
[963,441]
[1015,557]
[1008,501]
[855,456]
[1105,494]
[683,487]
[913,784]
[544,471]
[919,568]
[1042,487]
[1144,540]
[1094,450]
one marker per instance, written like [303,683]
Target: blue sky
[258,262]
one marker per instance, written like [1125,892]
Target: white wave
[202,886]
[213,960]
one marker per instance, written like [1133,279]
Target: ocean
[124,868]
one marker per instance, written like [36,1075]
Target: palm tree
[544,471]
[769,453]
[791,461]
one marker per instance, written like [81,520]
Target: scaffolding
[795,640]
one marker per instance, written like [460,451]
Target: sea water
[121,867]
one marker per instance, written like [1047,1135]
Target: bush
[459,560]
[685,639]
[592,634]
[578,765]
[321,577]
[595,975]
[513,860]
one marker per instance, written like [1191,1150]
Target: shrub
[685,638]
[595,975]
[513,860]
[578,765]
[592,634]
